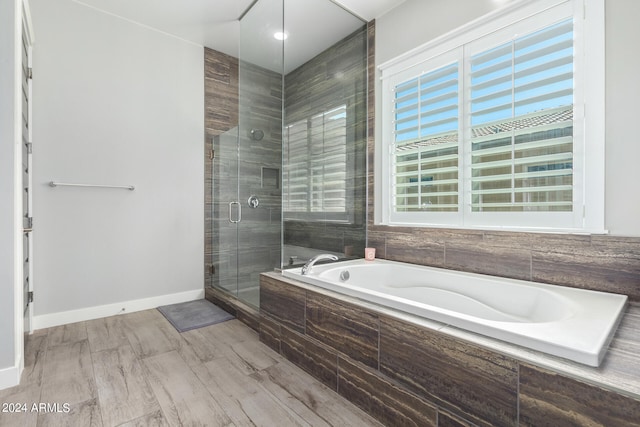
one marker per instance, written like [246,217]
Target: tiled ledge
[619,371]
[597,262]
[386,361]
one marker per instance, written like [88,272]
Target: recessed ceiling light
[280,35]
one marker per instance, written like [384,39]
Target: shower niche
[289,181]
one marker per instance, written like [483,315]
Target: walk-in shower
[289,181]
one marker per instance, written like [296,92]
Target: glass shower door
[259,145]
[246,211]
[226,212]
[247,162]
[320,174]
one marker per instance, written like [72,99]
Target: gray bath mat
[185,316]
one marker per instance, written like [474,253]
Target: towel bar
[66,184]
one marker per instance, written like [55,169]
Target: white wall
[10,280]
[114,103]
[416,22]
[622,94]
[421,21]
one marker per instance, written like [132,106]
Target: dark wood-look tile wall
[461,377]
[221,114]
[549,399]
[337,76]
[284,303]
[347,329]
[270,332]
[601,263]
[445,420]
[221,92]
[607,264]
[429,378]
[371,118]
[315,358]
[382,398]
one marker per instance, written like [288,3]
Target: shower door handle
[231,212]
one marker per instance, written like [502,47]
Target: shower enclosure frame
[248,231]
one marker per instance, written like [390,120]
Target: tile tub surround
[404,370]
[600,263]
[567,322]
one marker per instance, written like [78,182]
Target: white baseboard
[9,377]
[96,312]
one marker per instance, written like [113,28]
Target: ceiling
[312,25]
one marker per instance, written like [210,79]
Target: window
[315,167]
[521,96]
[487,128]
[426,142]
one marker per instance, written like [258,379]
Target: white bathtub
[572,323]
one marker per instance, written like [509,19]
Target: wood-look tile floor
[137,370]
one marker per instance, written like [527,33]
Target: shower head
[257,134]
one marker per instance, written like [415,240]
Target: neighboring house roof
[533,120]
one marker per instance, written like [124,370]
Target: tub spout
[307,267]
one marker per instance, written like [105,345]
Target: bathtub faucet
[307,267]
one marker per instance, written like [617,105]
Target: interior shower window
[315,166]
[488,132]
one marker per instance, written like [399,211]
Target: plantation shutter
[498,124]
[315,164]
[295,173]
[425,149]
[521,110]
[329,160]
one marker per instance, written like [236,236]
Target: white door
[27,149]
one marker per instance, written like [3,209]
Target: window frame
[587,215]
